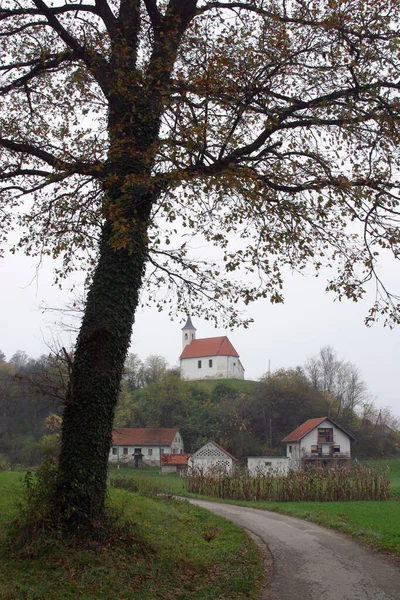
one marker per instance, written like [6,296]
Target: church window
[210,362]
[186,336]
[199,364]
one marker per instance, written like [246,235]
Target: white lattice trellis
[209,451]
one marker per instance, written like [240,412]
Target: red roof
[215,346]
[223,450]
[133,436]
[308,426]
[220,448]
[301,431]
[174,459]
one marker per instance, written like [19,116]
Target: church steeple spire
[188,333]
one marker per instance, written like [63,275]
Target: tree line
[251,418]
[246,417]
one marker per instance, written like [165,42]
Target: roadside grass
[374,523]
[179,552]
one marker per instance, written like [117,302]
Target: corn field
[362,483]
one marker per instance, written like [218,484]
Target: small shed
[174,463]
[212,457]
[266,465]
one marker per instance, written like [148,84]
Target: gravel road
[305,561]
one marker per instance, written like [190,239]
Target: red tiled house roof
[308,426]
[219,448]
[223,450]
[174,459]
[215,346]
[133,436]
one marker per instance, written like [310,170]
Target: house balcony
[328,456]
[327,440]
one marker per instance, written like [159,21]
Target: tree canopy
[269,129]
[134,132]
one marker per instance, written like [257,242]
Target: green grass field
[177,552]
[376,524]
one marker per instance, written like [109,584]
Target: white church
[208,358]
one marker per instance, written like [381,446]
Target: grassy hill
[168,550]
[239,385]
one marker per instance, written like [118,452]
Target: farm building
[174,463]
[263,465]
[147,443]
[211,457]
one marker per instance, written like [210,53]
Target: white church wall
[211,367]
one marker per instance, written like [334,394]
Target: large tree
[340,381]
[269,128]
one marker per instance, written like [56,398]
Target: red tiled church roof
[134,436]
[174,459]
[215,346]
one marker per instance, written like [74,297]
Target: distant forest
[247,418]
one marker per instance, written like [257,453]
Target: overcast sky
[286,335]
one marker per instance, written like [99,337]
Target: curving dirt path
[307,562]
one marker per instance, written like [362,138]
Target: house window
[314,449]
[336,449]
[161,450]
[290,449]
[325,434]
[199,364]
[268,464]
[210,362]
[114,450]
[125,451]
[150,451]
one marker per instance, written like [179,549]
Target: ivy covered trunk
[135,106]
[96,374]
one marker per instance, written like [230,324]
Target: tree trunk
[99,358]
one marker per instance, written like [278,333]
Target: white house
[264,465]
[211,457]
[208,358]
[318,442]
[149,443]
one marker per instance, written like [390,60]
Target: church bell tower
[188,333]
